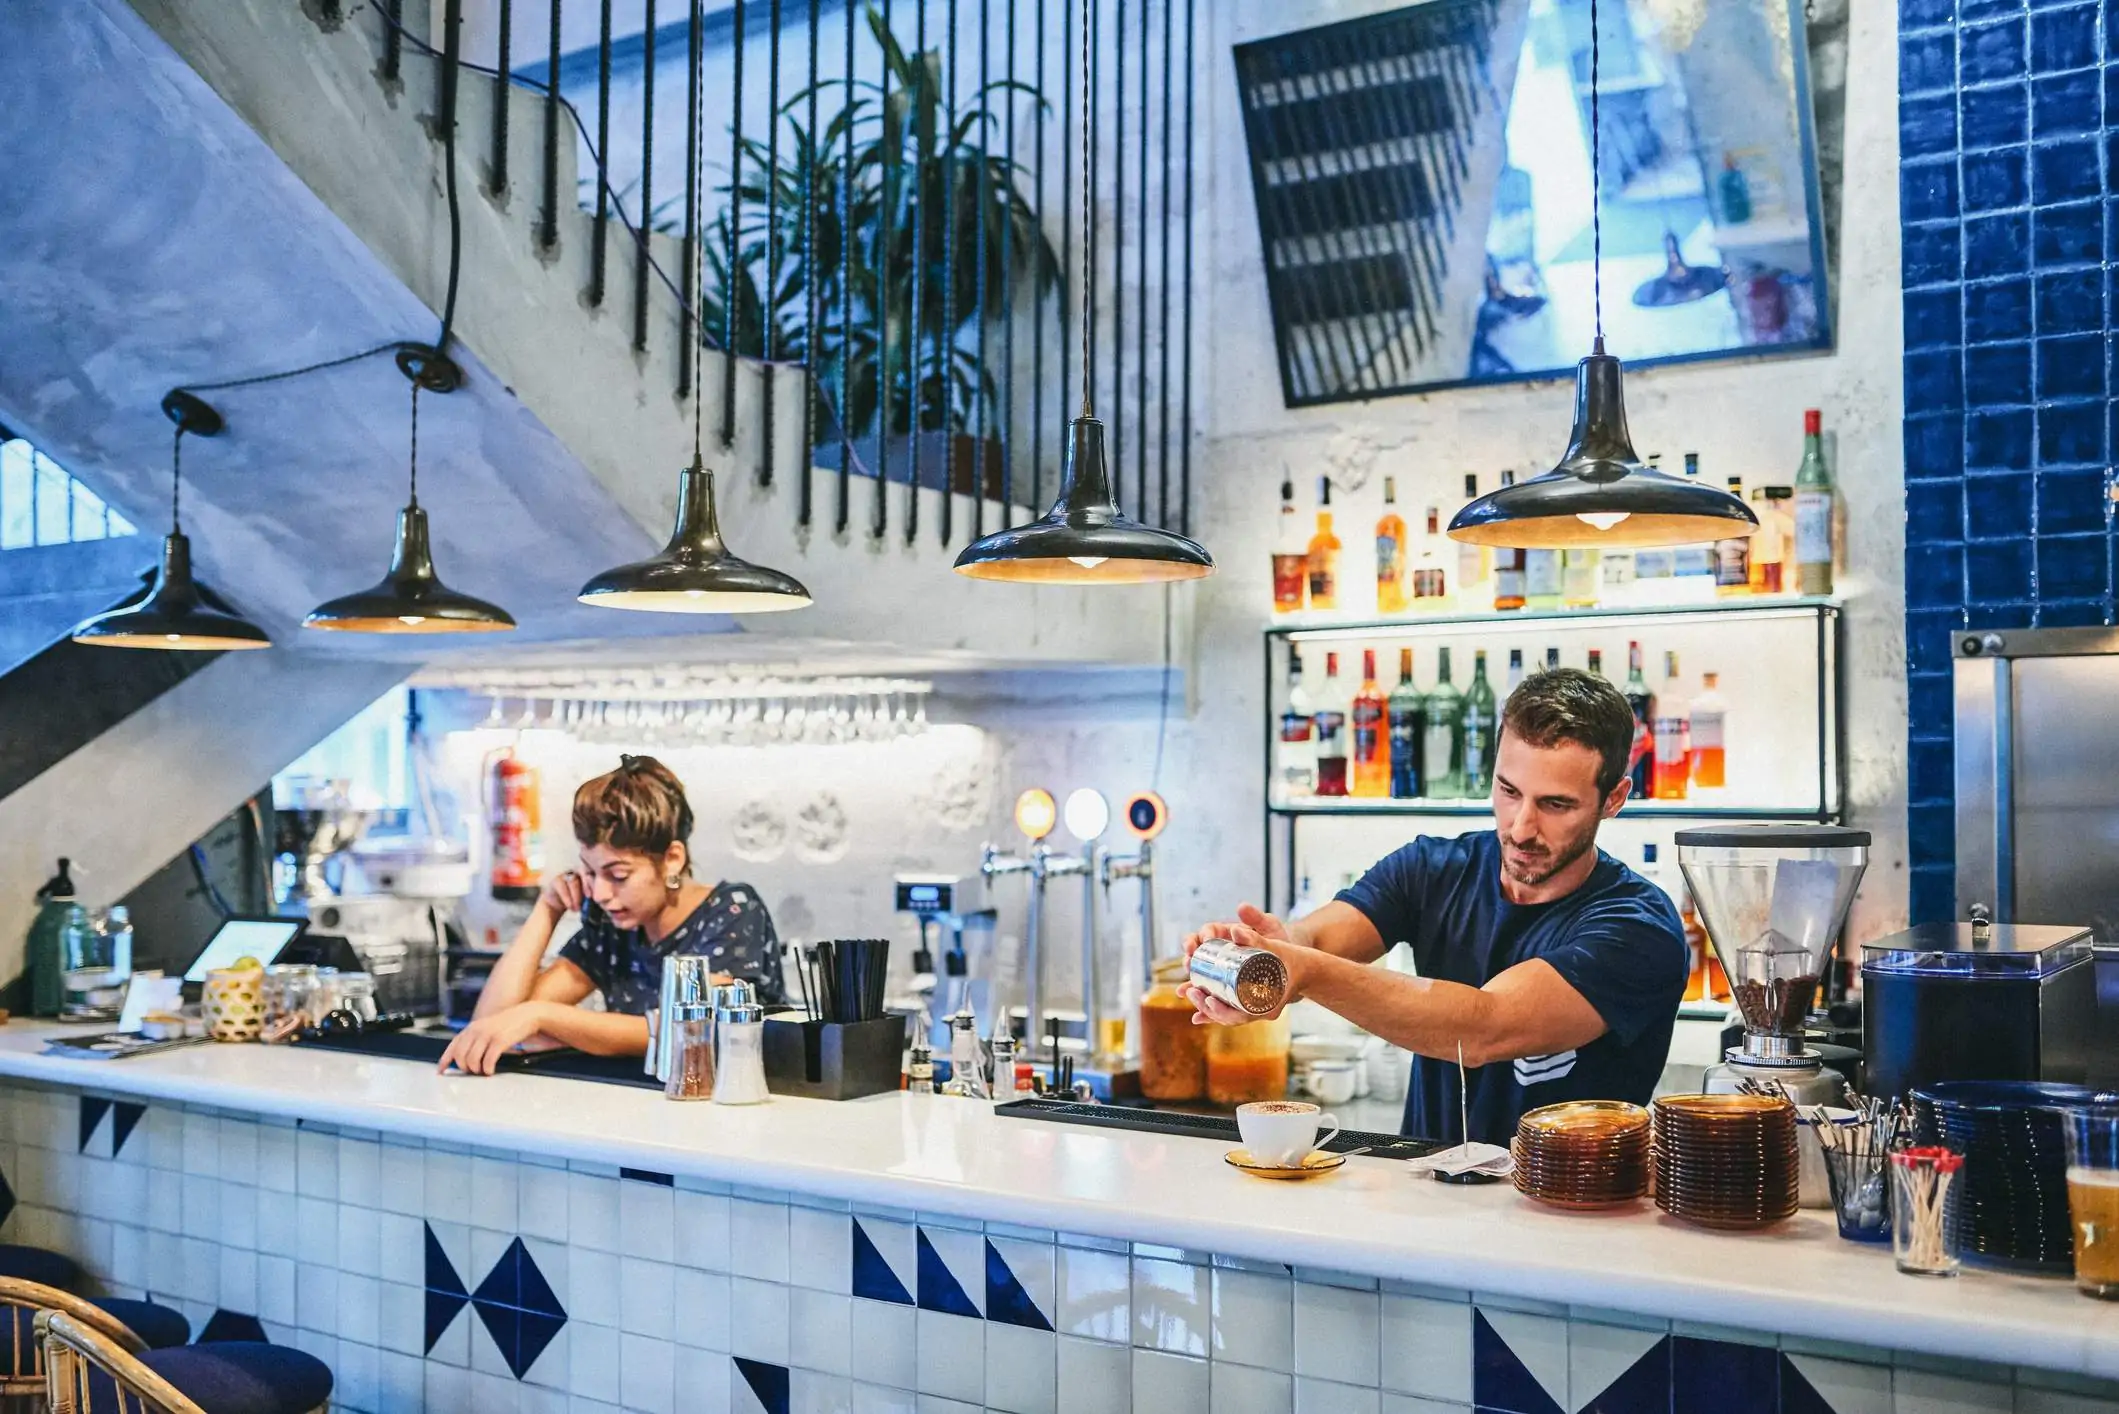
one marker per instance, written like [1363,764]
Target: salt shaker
[689,1029]
[739,1047]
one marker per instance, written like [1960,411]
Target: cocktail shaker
[1250,979]
[687,993]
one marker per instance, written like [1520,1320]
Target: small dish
[1314,1163]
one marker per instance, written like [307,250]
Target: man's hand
[1253,929]
[1250,917]
[478,1048]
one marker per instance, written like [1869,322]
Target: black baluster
[732,328]
[548,214]
[393,38]
[844,509]
[647,177]
[1140,297]
[1037,298]
[886,211]
[693,325]
[770,314]
[812,282]
[1191,157]
[915,341]
[1008,290]
[498,183]
[599,236]
[1162,337]
[983,195]
[947,333]
[1119,423]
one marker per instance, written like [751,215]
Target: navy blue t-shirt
[1617,940]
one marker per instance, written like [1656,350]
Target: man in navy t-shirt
[1554,966]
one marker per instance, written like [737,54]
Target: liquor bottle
[1541,579]
[1515,670]
[1693,565]
[1581,577]
[1714,981]
[1405,709]
[1641,764]
[1330,730]
[1696,945]
[1814,499]
[1291,556]
[1442,746]
[1324,552]
[1481,728]
[1710,715]
[1430,580]
[1475,563]
[1509,569]
[1673,736]
[1765,547]
[1615,577]
[1372,733]
[1296,761]
[1596,660]
[1732,556]
[1390,553]
[1552,659]
[1653,568]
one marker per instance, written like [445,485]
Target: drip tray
[425,1046]
[1193,1125]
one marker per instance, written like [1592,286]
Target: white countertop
[941,1155]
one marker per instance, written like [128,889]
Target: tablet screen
[261,938]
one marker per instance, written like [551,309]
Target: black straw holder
[831,1060]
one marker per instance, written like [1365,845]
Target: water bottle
[54,934]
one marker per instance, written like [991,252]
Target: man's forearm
[1424,1015]
[600,1033]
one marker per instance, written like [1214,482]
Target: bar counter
[922,1243]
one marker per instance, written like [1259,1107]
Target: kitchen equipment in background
[739,1045]
[400,942]
[1035,815]
[317,822]
[1773,899]
[1977,1001]
[2012,1211]
[1146,817]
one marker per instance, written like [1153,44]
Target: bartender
[1556,968]
[639,904]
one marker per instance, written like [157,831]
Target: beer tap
[1145,817]
[1035,815]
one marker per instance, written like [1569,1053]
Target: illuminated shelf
[1668,809]
[1308,625]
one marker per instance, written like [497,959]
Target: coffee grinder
[1773,899]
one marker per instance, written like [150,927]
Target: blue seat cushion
[37,1265]
[158,1327]
[233,1377]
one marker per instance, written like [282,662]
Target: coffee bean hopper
[1773,899]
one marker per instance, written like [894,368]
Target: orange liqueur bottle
[1372,738]
[1390,553]
[1324,552]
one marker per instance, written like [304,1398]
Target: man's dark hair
[1567,704]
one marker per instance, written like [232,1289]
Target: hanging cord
[1596,169]
[1088,208]
[176,484]
[698,214]
[452,63]
[413,503]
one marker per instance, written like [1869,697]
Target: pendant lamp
[1085,538]
[411,598]
[696,573]
[177,612]
[1679,283]
[1601,495]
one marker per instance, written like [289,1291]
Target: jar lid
[740,1014]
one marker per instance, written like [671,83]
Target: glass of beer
[2093,1199]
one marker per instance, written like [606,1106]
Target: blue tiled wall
[2010,225]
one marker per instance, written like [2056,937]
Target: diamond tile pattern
[2007,219]
[514,1302]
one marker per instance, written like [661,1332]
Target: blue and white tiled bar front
[433,1275]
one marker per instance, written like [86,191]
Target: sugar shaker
[739,1046]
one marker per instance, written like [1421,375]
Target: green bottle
[1442,752]
[1481,725]
[59,919]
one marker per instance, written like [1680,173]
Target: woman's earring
[674,882]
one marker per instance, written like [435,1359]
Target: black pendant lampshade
[1085,538]
[176,612]
[695,573]
[411,598]
[1601,495]
[1679,283]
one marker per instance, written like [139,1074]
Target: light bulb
[1087,814]
[1034,813]
[1088,562]
[174,637]
[1602,520]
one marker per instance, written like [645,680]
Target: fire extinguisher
[516,808]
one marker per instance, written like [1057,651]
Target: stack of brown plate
[1582,1154]
[1725,1160]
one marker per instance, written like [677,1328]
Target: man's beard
[1541,870]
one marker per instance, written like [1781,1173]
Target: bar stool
[159,1327]
[88,1372]
[22,1376]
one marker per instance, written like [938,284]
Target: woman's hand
[478,1048]
[562,894]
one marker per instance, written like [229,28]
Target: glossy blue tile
[2072,566]
[1500,1381]
[1997,375]
[2070,301]
[2071,434]
[2064,39]
[1997,507]
[2067,104]
[2076,613]
[2065,169]
[1934,576]
[768,1382]
[230,1325]
[1931,830]
[1927,62]
[2068,235]
[2071,367]
[1931,255]
[1971,10]
[1006,1300]
[1934,382]
[872,1273]
[1723,1376]
[1644,1388]
[1934,447]
[1992,117]
[1934,319]
[92,1112]
[1928,702]
[1996,310]
[1998,441]
[1927,191]
[1934,511]
[1934,890]
[1997,572]
[1991,52]
[1931,773]
[1931,639]
[1996,179]
[1997,245]
[1919,14]
[2071,501]
[124,1116]
[939,1288]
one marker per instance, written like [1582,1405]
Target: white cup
[1333,1081]
[1281,1133]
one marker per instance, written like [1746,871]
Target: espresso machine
[1773,899]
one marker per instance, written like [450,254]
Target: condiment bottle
[689,1029]
[919,1072]
[739,1047]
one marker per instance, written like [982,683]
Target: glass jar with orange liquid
[1249,1062]
[1173,1052]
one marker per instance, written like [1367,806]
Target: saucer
[1316,1162]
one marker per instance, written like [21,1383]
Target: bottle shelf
[1666,809]
[1319,627]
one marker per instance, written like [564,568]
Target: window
[40,504]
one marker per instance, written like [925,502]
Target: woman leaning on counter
[639,904]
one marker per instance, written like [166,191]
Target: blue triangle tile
[7,1198]
[538,1330]
[503,1285]
[504,1324]
[939,1288]
[1006,1300]
[537,1295]
[231,1325]
[1643,1389]
[768,1382]
[1500,1381]
[442,1307]
[92,1112]
[872,1275]
[441,1272]
[1798,1395]
[1725,1376]
[124,1118]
